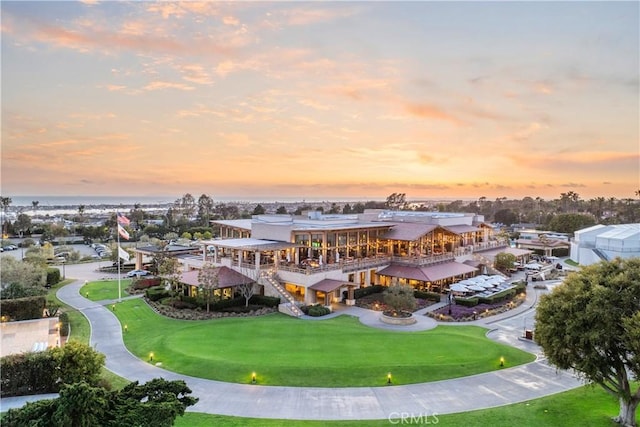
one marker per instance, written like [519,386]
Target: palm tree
[5,202]
[35,204]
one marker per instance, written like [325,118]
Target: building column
[351,300]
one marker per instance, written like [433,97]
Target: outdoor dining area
[481,286]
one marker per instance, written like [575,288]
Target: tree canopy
[591,324]
[156,403]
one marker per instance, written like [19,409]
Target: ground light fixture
[253,378]
[126,328]
[151,357]
[389,378]
[501,362]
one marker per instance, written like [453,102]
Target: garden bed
[376,302]
[199,314]
[461,313]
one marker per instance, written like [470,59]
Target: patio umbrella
[457,287]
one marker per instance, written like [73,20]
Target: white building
[605,242]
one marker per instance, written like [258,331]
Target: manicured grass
[338,352]
[584,406]
[104,289]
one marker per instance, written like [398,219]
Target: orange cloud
[427,111]
[158,85]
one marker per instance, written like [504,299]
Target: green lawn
[339,352]
[584,406]
[104,289]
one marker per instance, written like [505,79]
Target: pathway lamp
[151,357]
[126,328]
[389,378]
[253,378]
[501,362]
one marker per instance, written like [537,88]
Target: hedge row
[467,302]
[23,308]
[28,373]
[64,324]
[363,292]
[432,296]
[499,297]
[145,283]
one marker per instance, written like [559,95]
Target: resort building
[605,242]
[322,258]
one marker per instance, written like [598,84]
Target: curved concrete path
[491,389]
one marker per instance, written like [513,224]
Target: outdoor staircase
[288,301]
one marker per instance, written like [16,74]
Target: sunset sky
[321,99]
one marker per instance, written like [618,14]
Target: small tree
[208,278]
[400,298]
[505,261]
[77,362]
[169,269]
[247,291]
[591,324]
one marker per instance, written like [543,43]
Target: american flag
[122,219]
[123,232]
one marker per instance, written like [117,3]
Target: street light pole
[64,274]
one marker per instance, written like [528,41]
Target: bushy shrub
[467,302]
[156,293]
[64,324]
[28,373]
[317,310]
[181,304]
[227,303]
[496,298]
[363,292]
[23,308]
[53,276]
[263,300]
[432,296]
[44,372]
[145,283]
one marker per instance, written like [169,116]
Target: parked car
[137,273]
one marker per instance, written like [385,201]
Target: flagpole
[118,258]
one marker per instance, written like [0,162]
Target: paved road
[491,389]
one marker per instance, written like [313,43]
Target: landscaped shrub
[363,292]
[44,372]
[467,302]
[318,310]
[521,287]
[28,373]
[64,324]
[53,276]
[227,303]
[180,304]
[23,308]
[145,283]
[496,298]
[432,296]
[263,300]
[156,293]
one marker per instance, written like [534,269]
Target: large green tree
[154,404]
[591,324]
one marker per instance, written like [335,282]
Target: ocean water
[45,201]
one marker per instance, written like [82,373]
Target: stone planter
[398,320]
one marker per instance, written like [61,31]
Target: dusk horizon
[307,100]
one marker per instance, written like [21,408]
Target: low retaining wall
[397,320]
